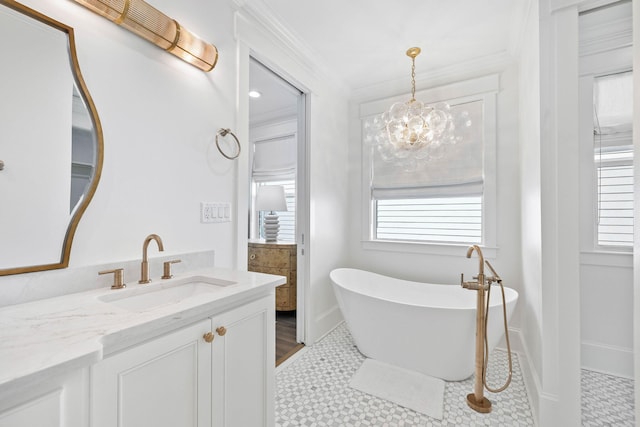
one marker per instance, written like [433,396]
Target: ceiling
[278,99]
[362,43]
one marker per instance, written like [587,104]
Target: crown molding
[259,14]
[557,5]
[519,27]
[605,36]
[274,116]
[457,90]
[442,76]
[582,5]
[606,42]
[586,5]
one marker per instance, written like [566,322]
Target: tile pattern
[314,390]
[606,400]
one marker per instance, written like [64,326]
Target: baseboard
[611,360]
[325,323]
[607,359]
[291,359]
[529,373]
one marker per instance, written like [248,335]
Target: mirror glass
[50,141]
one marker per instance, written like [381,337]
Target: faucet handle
[495,277]
[118,278]
[167,268]
[466,285]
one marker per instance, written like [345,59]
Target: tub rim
[509,292]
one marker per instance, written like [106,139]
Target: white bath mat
[406,388]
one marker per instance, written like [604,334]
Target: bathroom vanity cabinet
[216,372]
[204,359]
[281,259]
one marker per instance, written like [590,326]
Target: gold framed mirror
[51,141]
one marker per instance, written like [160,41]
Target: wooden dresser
[276,258]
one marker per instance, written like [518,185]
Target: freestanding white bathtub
[423,327]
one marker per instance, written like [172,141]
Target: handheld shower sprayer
[476,400]
[495,278]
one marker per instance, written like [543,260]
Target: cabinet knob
[208,337]
[221,331]
[252,256]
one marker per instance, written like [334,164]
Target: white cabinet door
[244,365]
[43,411]
[165,382]
[55,402]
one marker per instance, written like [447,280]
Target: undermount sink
[156,295]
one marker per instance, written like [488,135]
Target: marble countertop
[45,338]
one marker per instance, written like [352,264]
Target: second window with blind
[613,159]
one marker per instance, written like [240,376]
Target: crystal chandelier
[413,129]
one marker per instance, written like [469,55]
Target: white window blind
[613,159]
[441,201]
[615,198]
[436,219]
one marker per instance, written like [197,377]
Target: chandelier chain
[413,79]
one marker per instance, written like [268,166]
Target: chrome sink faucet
[144,268]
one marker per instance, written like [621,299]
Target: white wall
[606,321]
[605,277]
[636,210]
[159,116]
[325,161]
[559,190]
[531,232]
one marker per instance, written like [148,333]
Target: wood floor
[286,344]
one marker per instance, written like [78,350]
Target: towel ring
[223,133]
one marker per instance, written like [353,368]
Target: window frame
[594,65]
[483,89]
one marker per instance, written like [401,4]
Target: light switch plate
[215,212]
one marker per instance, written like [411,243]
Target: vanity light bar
[149,23]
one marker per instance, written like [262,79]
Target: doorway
[277,143]
[607,200]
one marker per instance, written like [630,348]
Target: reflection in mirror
[50,141]
[83,151]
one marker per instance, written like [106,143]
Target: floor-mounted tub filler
[428,328]
[482,285]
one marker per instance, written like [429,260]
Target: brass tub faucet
[144,268]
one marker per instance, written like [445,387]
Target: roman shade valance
[274,159]
[456,171]
[613,103]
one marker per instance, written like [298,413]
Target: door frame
[245,53]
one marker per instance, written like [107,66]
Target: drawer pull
[252,256]
[208,337]
[221,331]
